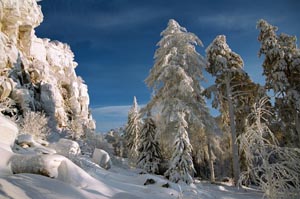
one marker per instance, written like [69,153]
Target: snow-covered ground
[91,181]
[117,183]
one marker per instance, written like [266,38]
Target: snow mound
[102,158]
[8,131]
[65,147]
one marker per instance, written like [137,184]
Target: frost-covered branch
[275,169]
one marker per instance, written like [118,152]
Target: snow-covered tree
[149,152]
[226,66]
[275,169]
[181,164]
[174,79]
[132,130]
[282,71]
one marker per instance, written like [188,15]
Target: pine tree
[182,165]
[226,66]
[282,71]
[132,130]
[174,79]
[149,152]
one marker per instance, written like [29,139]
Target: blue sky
[114,40]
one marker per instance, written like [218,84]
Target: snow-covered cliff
[38,74]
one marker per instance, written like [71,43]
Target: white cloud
[110,117]
[111,110]
[237,21]
[229,21]
[128,17]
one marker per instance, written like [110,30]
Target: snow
[67,148]
[68,180]
[8,131]
[117,183]
[102,158]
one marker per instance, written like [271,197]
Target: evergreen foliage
[174,79]
[282,71]
[181,164]
[132,130]
[149,152]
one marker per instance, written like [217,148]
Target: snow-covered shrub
[76,127]
[275,169]
[36,124]
[95,140]
[114,140]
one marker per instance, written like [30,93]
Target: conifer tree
[174,79]
[182,165]
[282,71]
[132,130]
[149,152]
[226,66]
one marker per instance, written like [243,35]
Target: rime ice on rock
[39,74]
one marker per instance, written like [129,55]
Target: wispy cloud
[129,17]
[237,21]
[110,117]
[112,110]
[229,21]
[103,20]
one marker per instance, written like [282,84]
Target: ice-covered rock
[67,148]
[102,158]
[39,74]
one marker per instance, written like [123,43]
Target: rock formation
[38,74]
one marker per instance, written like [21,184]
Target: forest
[259,124]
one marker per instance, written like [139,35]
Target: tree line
[175,135]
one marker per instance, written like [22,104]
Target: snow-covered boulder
[25,144]
[8,132]
[46,165]
[102,158]
[65,147]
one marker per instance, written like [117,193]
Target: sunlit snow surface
[92,182]
[116,183]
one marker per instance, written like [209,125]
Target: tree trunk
[235,155]
[211,162]
[297,122]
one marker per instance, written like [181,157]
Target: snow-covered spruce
[181,164]
[174,79]
[132,130]
[149,152]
